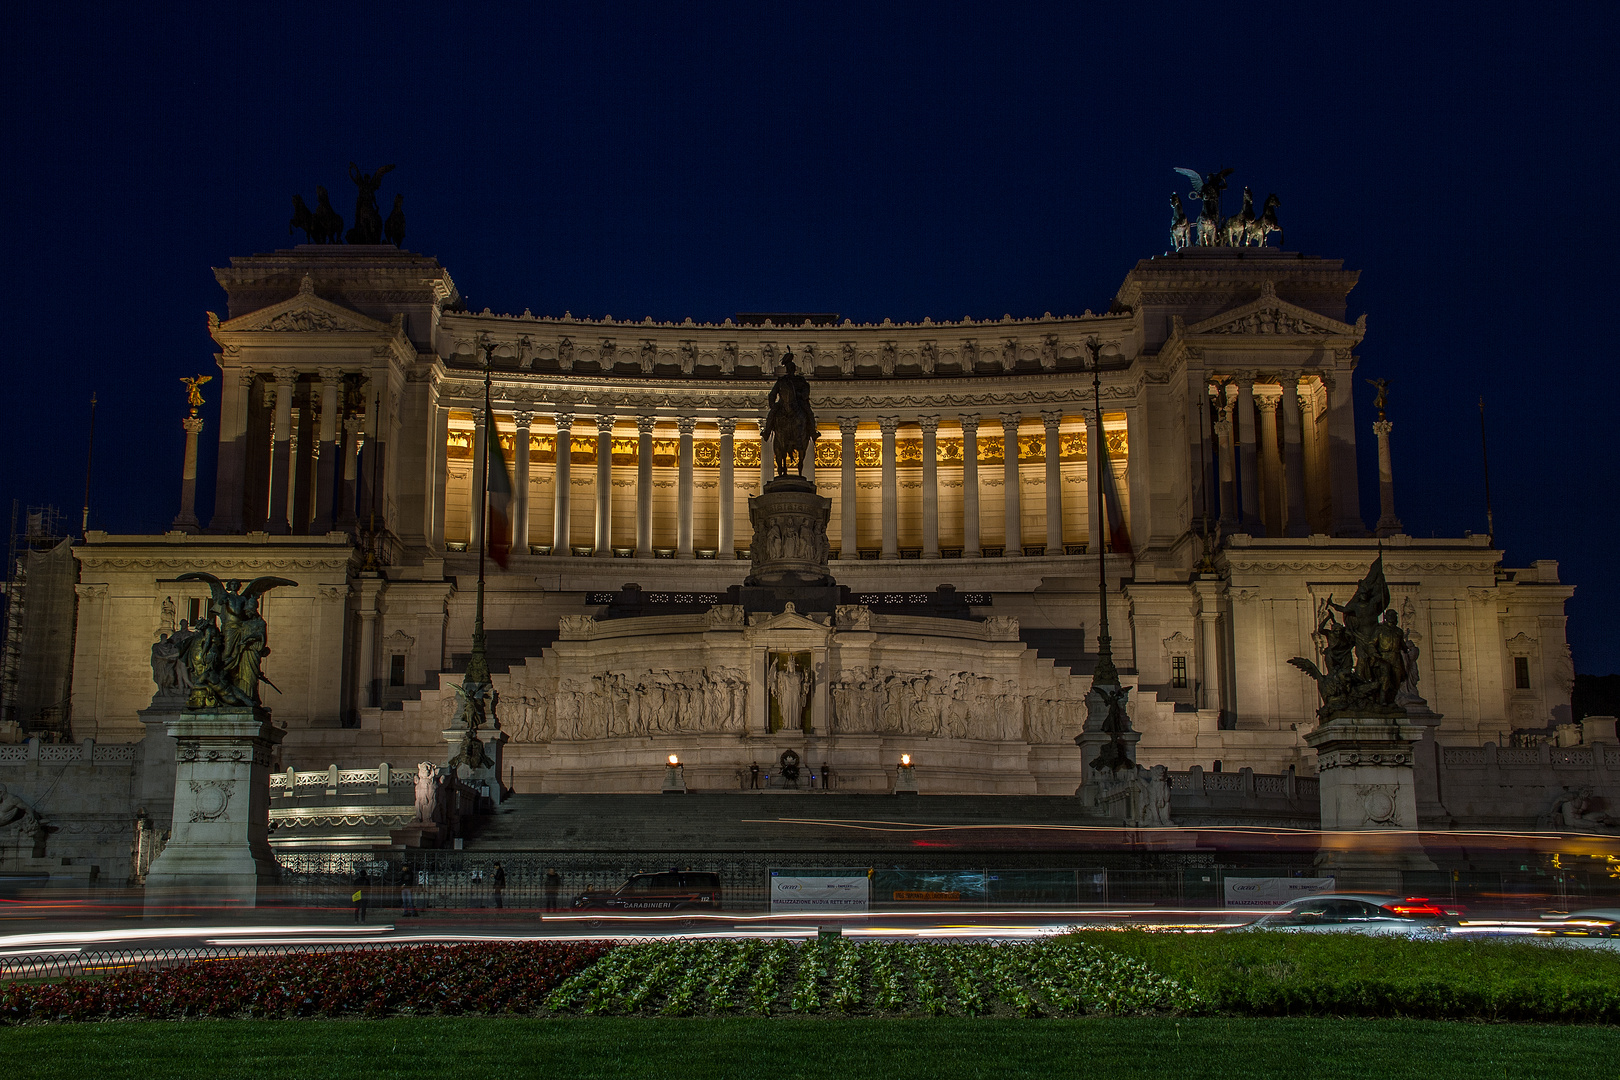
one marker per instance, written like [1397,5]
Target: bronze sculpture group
[218,662]
[1366,658]
[324,225]
[790,420]
[1244,229]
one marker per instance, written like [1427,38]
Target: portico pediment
[788,619]
[305,313]
[1269,315]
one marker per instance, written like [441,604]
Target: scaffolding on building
[38,603]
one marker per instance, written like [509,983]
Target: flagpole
[1485,454]
[1105,674]
[478,664]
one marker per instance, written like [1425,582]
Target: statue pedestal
[219,852]
[1369,800]
[488,778]
[1092,741]
[790,535]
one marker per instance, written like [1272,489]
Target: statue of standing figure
[368,219]
[790,420]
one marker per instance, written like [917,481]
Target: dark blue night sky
[897,161]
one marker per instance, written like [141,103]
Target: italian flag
[498,497]
[1119,538]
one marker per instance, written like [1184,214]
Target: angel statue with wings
[1207,189]
[194,396]
[224,657]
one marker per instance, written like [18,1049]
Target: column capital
[565,421]
[286,376]
[1382,428]
[645,424]
[194,424]
[1089,413]
[245,378]
[727,425]
[604,423]
[1244,378]
[1051,418]
[523,419]
[1011,420]
[685,424]
[970,423]
[330,374]
[1223,429]
[848,425]
[929,424]
[889,424]
[1267,398]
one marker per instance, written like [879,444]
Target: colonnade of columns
[847,542]
[289,455]
[1278,470]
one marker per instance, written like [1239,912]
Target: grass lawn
[781,1048]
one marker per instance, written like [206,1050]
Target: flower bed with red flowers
[487,977]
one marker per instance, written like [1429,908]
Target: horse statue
[1235,229]
[1180,227]
[1208,190]
[368,222]
[303,218]
[394,227]
[1266,224]
[328,222]
[790,419]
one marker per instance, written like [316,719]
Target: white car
[1355,913]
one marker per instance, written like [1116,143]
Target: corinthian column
[644,485]
[1270,461]
[848,523]
[1388,523]
[1296,520]
[1051,419]
[683,489]
[520,483]
[186,520]
[281,456]
[891,514]
[604,486]
[329,451]
[1223,443]
[230,479]
[970,486]
[560,526]
[725,542]
[930,487]
[1248,475]
[1009,473]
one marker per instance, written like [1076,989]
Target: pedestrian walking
[407,898]
[499,879]
[553,883]
[361,882]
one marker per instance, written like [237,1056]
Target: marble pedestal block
[219,852]
[1369,800]
[790,535]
